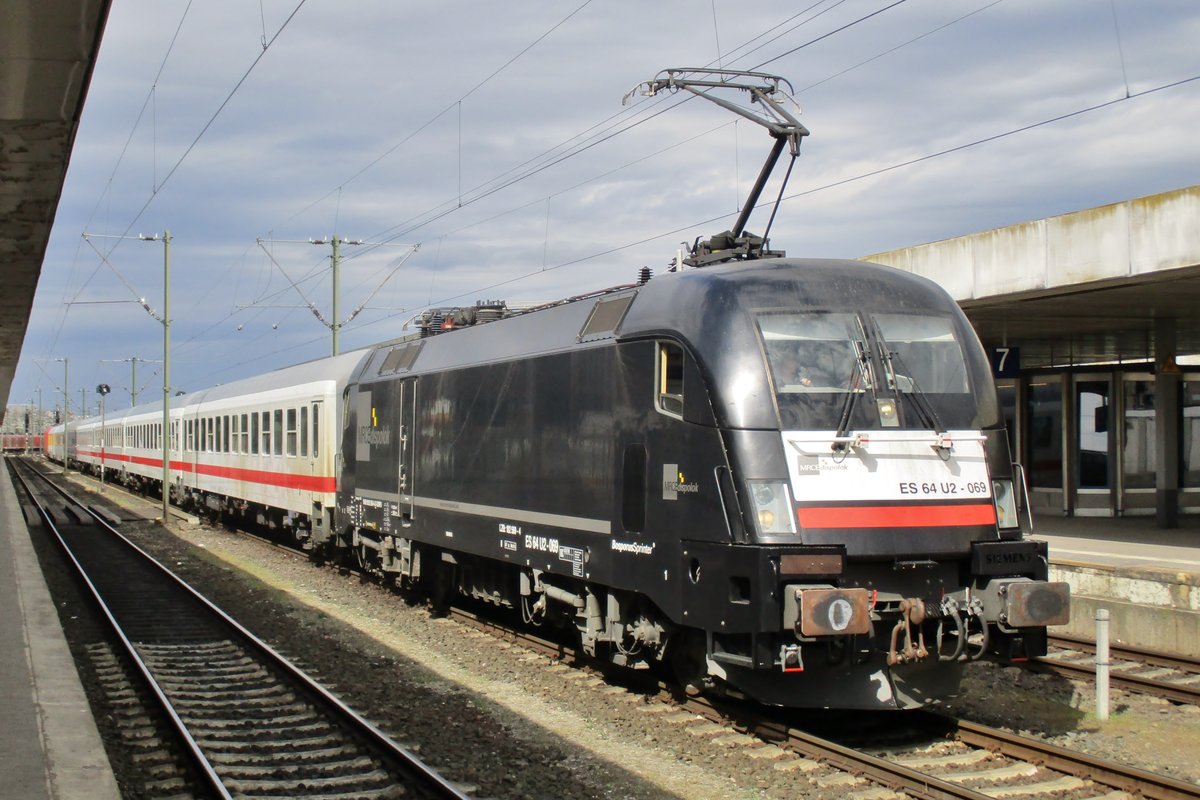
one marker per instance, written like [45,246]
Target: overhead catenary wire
[154,193]
[832,185]
[483,290]
[548,160]
[443,212]
[791,197]
[456,104]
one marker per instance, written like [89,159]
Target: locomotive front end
[885,500]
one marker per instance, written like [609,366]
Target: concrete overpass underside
[47,51]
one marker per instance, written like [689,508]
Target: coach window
[304,431]
[266,432]
[235,441]
[254,434]
[291,432]
[316,439]
[244,447]
[670,379]
[225,434]
[277,429]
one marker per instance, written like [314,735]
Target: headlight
[773,511]
[1006,504]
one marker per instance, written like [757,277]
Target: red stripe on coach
[939,516]
[287,480]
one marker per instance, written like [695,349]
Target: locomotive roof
[694,305]
[710,309]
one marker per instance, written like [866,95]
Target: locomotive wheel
[685,656]
[441,589]
[366,558]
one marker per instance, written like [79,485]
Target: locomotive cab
[871,477]
[786,479]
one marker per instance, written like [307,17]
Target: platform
[1147,577]
[49,744]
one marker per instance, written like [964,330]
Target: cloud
[400,122]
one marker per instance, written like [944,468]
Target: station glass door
[1094,440]
[1044,443]
[1008,393]
[1136,441]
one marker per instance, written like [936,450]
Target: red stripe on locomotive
[911,516]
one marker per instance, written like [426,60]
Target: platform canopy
[1088,287]
[47,52]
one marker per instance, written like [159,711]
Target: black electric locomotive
[784,478]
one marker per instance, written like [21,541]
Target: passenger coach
[262,448]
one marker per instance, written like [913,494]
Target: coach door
[407,466]
[310,446]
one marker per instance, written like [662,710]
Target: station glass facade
[1087,440]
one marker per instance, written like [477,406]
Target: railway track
[1164,675]
[249,723]
[944,758]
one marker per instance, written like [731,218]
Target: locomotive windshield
[831,369]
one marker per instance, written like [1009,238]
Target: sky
[481,151]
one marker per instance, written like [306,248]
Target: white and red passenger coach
[263,447]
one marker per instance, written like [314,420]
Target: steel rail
[896,776]
[1157,658]
[1175,692]
[375,737]
[196,756]
[880,770]
[1137,781]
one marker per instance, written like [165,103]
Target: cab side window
[669,394]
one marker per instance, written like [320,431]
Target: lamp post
[166,410]
[102,390]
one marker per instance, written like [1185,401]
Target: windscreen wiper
[919,399]
[862,372]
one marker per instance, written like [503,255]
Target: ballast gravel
[503,722]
